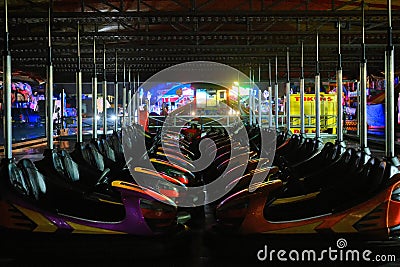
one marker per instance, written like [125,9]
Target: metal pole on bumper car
[269,95]
[116,92]
[104,93]
[287,92]
[94,92]
[276,95]
[250,100]
[389,97]
[339,94]
[129,97]
[253,101]
[7,126]
[138,98]
[124,98]
[317,98]
[79,137]
[49,87]
[134,101]
[259,97]
[363,94]
[302,117]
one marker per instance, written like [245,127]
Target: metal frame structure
[153,35]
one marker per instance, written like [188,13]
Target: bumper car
[32,202]
[296,149]
[326,156]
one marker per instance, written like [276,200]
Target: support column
[302,116]
[253,101]
[116,93]
[49,88]
[287,92]
[129,106]
[79,92]
[62,108]
[259,98]
[138,104]
[317,99]
[250,100]
[134,101]
[339,92]
[389,93]
[94,92]
[363,93]
[124,98]
[269,95]
[7,90]
[104,93]
[276,95]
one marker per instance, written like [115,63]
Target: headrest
[16,179]
[97,157]
[373,174]
[57,162]
[33,177]
[109,152]
[348,155]
[71,168]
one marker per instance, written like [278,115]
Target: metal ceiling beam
[326,65]
[35,4]
[93,8]
[302,3]
[152,8]
[232,14]
[159,60]
[204,4]
[274,4]
[67,74]
[190,32]
[179,3]
[346,3]
[237,7]
[107,3]
[164,49]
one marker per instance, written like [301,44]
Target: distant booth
[328,113]
[207,102]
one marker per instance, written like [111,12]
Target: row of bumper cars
[132,182]
[168,161]
[296,149]
[33,202]
[90,190]
[343,195]
[328,154]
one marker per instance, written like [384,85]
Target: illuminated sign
[326,98]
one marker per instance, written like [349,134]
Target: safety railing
[327,121]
